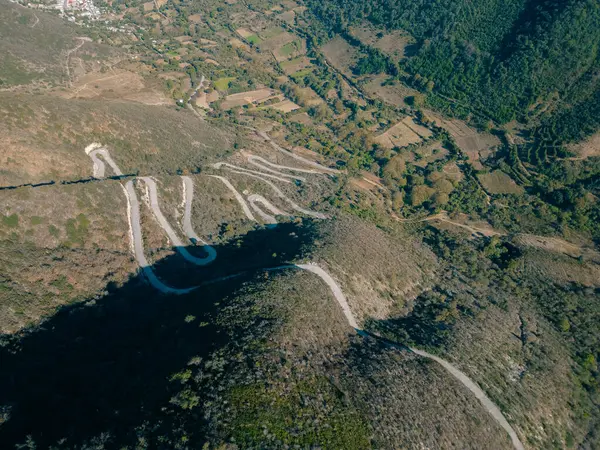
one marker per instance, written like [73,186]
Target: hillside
[299,224]
[281,337]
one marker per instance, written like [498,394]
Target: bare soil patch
[588,148]
[402,134]
[116,84]
[246,98]
[244,32]
[285,106]
[469,140]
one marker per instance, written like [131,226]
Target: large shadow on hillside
[100,370]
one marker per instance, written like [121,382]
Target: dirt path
[443,217]
[296,157]
[189,102]
[281,195]
[37,20]
[548,243]
[82,40]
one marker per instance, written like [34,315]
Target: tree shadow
[100,369]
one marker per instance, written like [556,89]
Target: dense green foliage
[528,60]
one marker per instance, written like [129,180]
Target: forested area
[536,61]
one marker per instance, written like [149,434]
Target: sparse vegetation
[452,227]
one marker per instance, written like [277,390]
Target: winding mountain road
[255,198]
[166,226]
[133,214]
[306,161]
[281,195]
[220,165]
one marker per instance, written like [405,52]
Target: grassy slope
[47,136]
[35,46]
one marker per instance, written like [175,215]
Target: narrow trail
[133,214]
[442,217]
[37,20]
[82,40]
[220,165]
[295,156]
[189,102]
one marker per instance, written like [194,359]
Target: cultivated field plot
[262,98]
[247,98]
[394,94]
[392,43]
[222,84]
[282,44]
[498,182]
[404,133]
[285,106]
[249,35]
[341,55]
[474,144]
[297,67]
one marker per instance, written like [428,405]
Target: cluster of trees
[511,59]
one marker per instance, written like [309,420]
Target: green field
[254,39]
[223,83]
[301,73]
[289,48]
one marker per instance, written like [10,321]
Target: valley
[297,224]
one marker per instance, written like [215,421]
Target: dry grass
[588,148]
[341,55]
[472,142]
[498,182]
[116,84]
[295,65]
[394,94]
[380,273]
[54,132]
[392,43]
